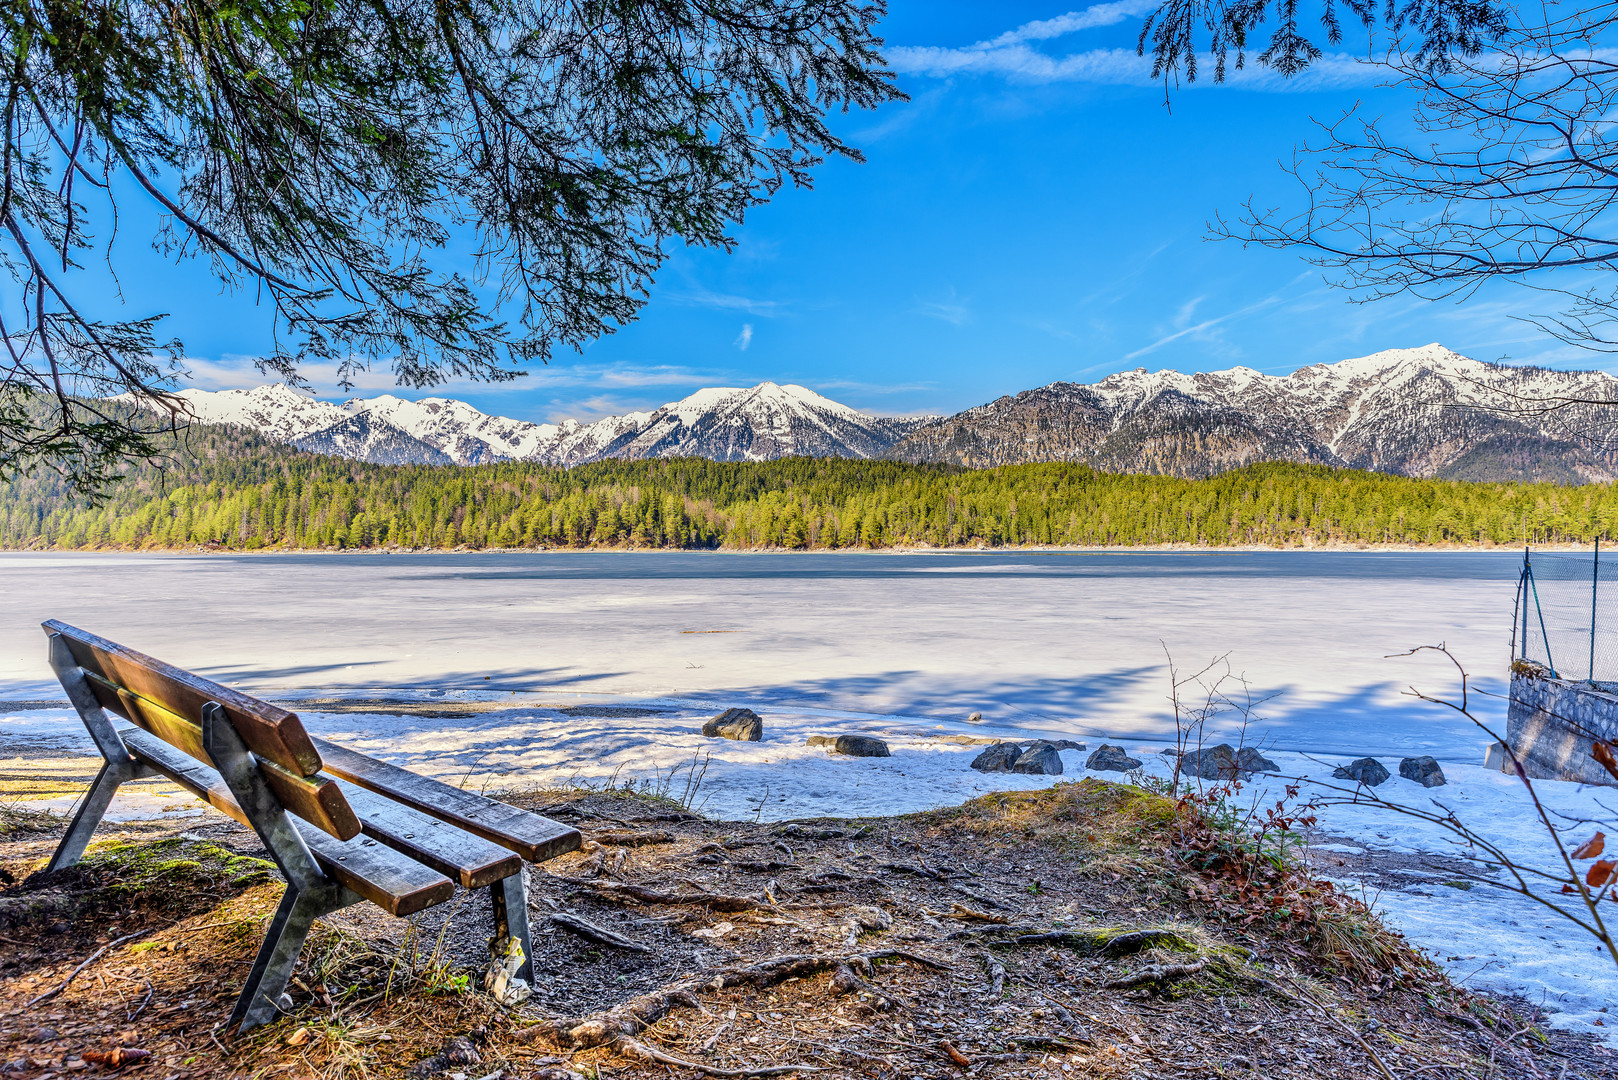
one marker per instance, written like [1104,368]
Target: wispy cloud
[700,297]
[948,309]
[1010,55]
[1204,326]
[827,386]
[1187,309]
[237,372]
[590,409]
[745,338]
[1072,22]
[1121,67]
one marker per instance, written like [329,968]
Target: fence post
[1522,585]
[1595,583]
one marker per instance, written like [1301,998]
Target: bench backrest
[168,701]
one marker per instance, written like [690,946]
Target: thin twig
[93,957]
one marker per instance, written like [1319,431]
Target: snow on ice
[588,667]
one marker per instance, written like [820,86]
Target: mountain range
[725,423]
[1394,411]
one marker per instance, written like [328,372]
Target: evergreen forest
[229,489]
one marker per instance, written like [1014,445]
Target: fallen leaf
[1591,847]
[1602,752]
[299,1037]
[1600,873]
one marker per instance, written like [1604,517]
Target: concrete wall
[1552,722]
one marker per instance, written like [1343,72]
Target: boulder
[1066,744]
[861,746]
[1367,771]
[1111,759]
[1423,770]
[975,718]
[1213,763]
[998,758]
[1250,760]
[1040,759]
[743,725]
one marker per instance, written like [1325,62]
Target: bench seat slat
[317,800]
[469,859]
[533,837]
[390,880]
[269,731]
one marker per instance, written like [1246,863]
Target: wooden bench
[343,827]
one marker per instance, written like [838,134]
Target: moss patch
[128,878]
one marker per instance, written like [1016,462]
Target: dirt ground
[1075,932]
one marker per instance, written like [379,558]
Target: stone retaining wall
[1552,723]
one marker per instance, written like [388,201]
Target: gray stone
[861,746]
[998,758]
[975,718]
[1367,771]
[1212,763]
[1495,758]
[1250,760]
[1423,770]
[1111,759]
[821,740]
[743,725]
[1066,744]
[1039,759]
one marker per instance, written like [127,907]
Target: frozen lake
[589,666]
[1066,642]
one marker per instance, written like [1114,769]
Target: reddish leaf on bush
[1602,752]
[1600,874]
[1591,847]
[1568,888]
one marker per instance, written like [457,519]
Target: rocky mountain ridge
[725,423]
[1402,411]
[1426,412]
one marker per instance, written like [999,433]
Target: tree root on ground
[625,892]
[598,934]
[1093,942]
[616,1028]
[1158,975]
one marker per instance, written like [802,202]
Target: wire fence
[1567,614]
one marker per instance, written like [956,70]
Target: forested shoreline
[232,490]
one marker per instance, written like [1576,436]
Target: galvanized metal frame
[310,893]
[509,899]
[118,768]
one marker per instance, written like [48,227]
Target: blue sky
[1034,213]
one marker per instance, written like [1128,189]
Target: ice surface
[904,647]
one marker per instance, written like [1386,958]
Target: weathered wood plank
[533,837]
[390,880]
[471,860]
[318,801]
[270,731]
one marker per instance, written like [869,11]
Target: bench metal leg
[119,767]
[509,897]
[310,893]
[89,814]
[260,1000]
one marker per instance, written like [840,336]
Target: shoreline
[1142,549]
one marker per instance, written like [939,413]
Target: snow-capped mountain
[1391,411]
[724,423]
